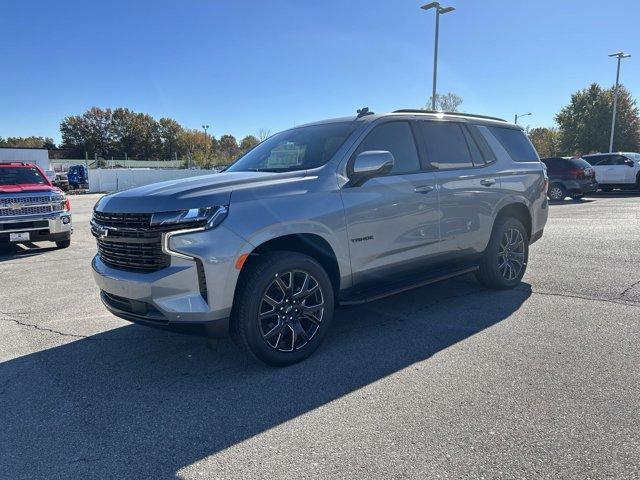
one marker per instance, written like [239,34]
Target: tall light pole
[520,116]
[619,56]
[440,10]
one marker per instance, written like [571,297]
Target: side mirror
[628,162]
[370,164]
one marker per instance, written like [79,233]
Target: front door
[393,220]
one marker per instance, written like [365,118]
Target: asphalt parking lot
[448,381]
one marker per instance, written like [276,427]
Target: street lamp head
[620,55]
[431,5]
[437,6]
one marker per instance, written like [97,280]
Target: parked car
[616,170]
[31,208]
[569,177]
[339,212]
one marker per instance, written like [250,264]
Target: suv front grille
[128,242]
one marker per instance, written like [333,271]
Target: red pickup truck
[31,208]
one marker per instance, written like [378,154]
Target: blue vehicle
[78,176]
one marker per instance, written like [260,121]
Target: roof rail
[472,115]
[14,163]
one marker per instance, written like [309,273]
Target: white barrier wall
[118,179]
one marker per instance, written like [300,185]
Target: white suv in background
[616,170]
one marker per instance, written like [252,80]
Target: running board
[371,294]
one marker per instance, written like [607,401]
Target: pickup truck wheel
[556,192]
[505,259]
[63,244]
[283,308]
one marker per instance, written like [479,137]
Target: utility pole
[619,56]
[439,11]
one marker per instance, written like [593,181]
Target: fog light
[66,220]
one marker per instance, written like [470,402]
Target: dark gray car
[337,212]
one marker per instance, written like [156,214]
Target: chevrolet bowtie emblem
[102,232]
[15,206]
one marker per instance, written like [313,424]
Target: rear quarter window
[515,143]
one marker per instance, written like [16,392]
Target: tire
[493,273]
[577,197]
[63,244]
[280,339]
[556,192]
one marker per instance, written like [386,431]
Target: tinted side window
[446,145]
[619,160]
[594,160]
[516,143]
[397,138]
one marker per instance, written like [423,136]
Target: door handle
[424,189]
[487,182]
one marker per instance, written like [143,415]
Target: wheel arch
[311,244]
[517,210]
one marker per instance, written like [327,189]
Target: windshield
[297,149]
[21,176]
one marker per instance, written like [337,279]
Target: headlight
[208,217]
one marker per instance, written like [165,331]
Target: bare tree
[448,102]
[263,134]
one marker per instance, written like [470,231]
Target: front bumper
[172,298]
[54,227]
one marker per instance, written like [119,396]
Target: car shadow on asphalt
[139,403]
[12,251]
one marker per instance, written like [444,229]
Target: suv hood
[193,192]
[27,188]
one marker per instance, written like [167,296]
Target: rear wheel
[284,307]
[556,192]
[505,259]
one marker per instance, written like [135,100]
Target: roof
[426,113]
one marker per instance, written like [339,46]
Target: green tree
[247,143]
[447,102]
[28,142]
[169,131]
[90,132]
[228,148]
[123,131]
[585,123]
[545,140]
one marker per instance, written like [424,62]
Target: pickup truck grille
[128,242]
[23,205]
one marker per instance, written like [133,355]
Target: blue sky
[243,65]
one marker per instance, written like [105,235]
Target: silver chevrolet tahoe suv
[333,213]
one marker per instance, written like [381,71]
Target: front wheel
[505,259]
[63,243]
[283,309]
[577,197]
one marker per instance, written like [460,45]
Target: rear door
[468,185]
[392,220]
